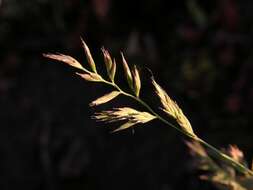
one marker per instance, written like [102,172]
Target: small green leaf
[104,99]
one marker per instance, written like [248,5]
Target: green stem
[214,151]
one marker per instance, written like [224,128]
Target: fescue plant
[227,169]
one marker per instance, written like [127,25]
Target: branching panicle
[131,116]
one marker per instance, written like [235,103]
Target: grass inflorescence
[131,117]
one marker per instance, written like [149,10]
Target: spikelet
[137,81]
[65,59]
[89,56]
[107,59]
[93,77]
[172,109]
[128,114]
[128,73]
[110,65]
[104,99]
[113,70]
[124,126]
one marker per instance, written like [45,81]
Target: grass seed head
[137,81]
[92,77]
[65,59]
[110,65]
[113,70]
[130,115]
[104,99]
[127,72]
[89,56]
[172,109]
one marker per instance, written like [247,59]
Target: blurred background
[199,51]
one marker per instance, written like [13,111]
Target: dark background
[199,51]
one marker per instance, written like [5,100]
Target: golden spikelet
[65,59]
[137,81]
[128,114]
[93,77]
[128,73]
[104,99]
[110,65]
[89,56]
[107,59]
[172,109]
[113,70]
